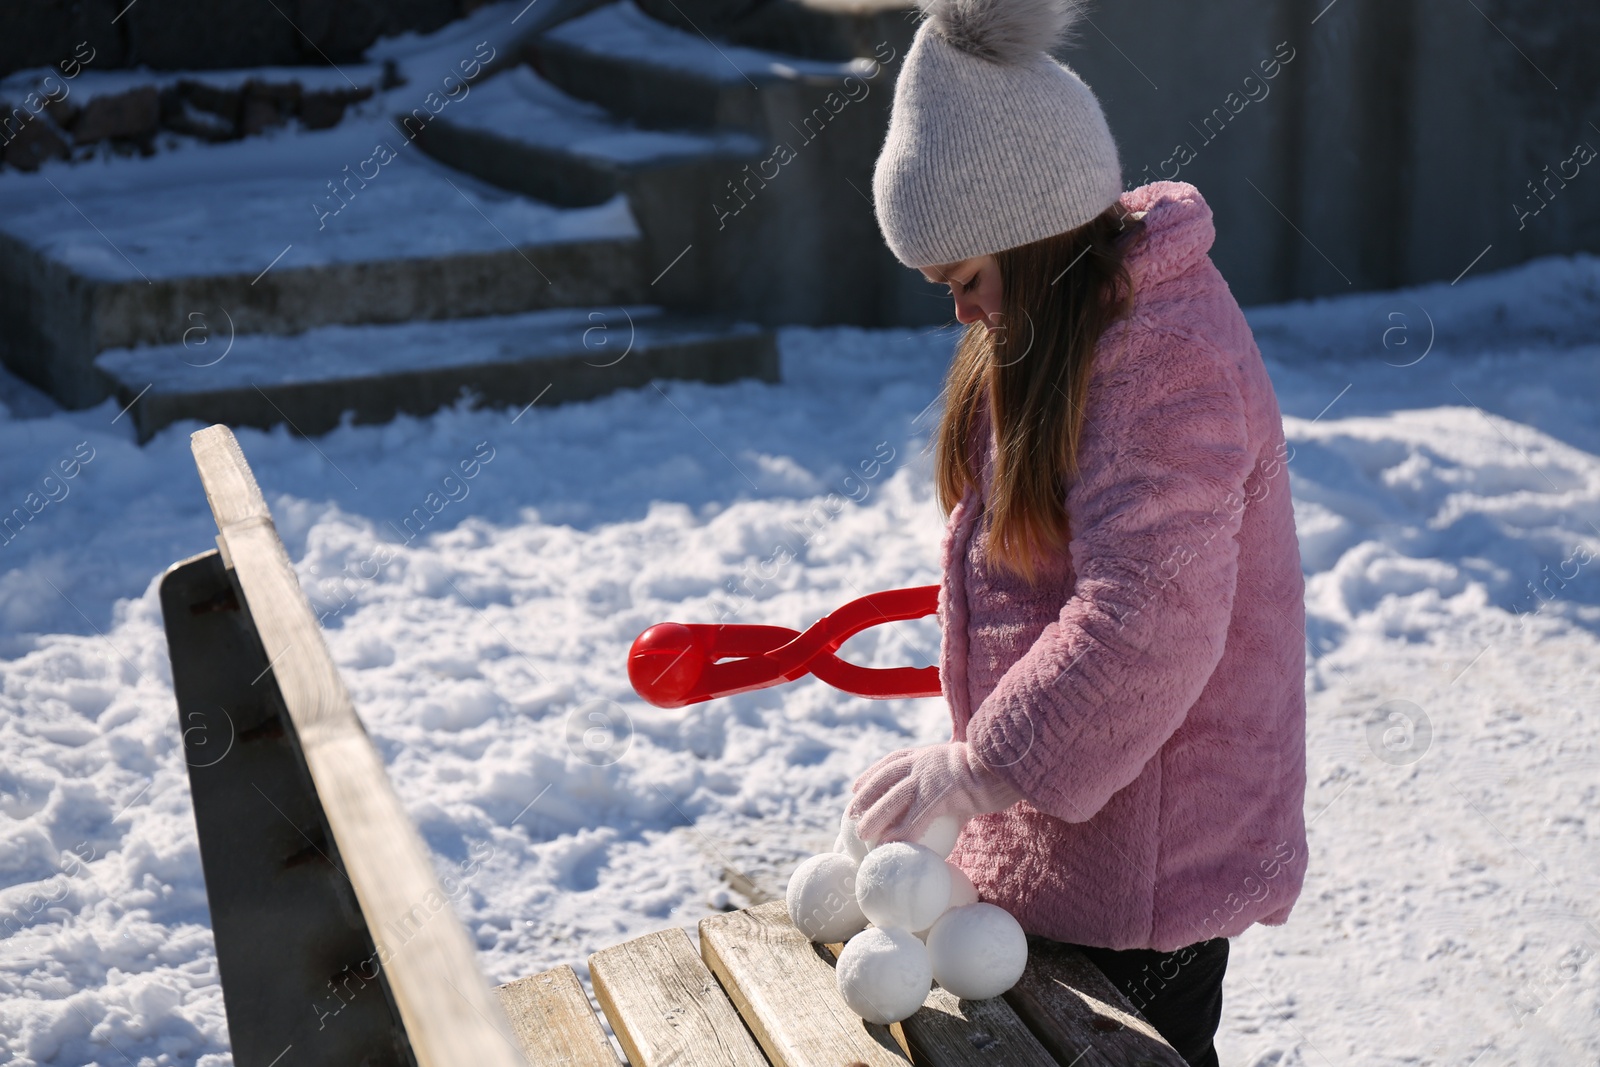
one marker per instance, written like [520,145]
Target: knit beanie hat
[992,143]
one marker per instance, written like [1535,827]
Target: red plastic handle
[673,663]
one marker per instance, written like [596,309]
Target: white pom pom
[903,885]
[884,975]
[977,951]
[962,891]
[1003,31]
[822,899]
[941,835]
[848,842]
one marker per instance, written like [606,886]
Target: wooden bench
[336,942]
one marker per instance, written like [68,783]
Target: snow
[849,842]
[503,26]
[90,82]
[604,336]
[624,32]
[1450,517]
[233,208]
[977,951]
[962,891]
[903,885]
[941,835]
[310,197]
[884,974]
[519,105]
[821,898]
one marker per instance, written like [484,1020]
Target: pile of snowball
[927,923]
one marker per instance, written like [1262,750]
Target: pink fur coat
[1146,696]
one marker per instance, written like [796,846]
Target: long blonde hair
[1058,295]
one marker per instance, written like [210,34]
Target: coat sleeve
[1164,457]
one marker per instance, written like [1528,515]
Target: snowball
[848,842]
[941,835]
[822,898]
[977,951]
[884,975]
[962,891]
[903,885]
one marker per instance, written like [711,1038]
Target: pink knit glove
[897,797]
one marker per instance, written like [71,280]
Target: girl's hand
[897,797]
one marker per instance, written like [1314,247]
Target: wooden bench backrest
[446,1007]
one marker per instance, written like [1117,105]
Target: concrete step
[788,238]
[129,111]
[816,29]
[519,132]
[664,77]
[309,380]
[278,235]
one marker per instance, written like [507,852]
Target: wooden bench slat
[1072,1007]
[553,1022]
[950,1032]
[968,1033]
[450,1014]
[666,1007]
[783,986]
[787,988]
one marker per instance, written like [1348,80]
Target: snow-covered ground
[1448,500]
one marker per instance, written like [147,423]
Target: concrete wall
[1342,145]
[1396,140]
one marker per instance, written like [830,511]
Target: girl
[1122,602]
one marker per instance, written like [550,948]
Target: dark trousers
[1179,992]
